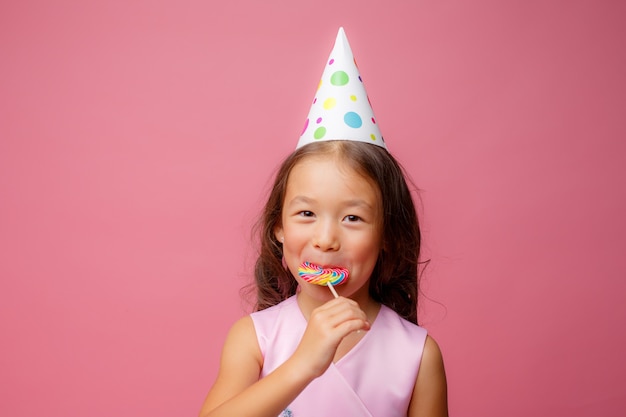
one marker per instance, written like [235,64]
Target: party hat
[341,109]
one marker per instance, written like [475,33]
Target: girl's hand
[328,325]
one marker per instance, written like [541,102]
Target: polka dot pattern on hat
[341,109]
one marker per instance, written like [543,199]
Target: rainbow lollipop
[317,275]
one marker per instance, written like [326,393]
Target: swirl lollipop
[317,275]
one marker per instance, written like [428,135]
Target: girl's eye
[306,213]
[352,218]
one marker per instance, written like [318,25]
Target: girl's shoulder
[396,324]
[430,394]
[270,317]
[242,336]
[240,364]
[274,322]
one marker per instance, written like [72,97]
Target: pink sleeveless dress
[375,379]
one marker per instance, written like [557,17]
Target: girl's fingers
[349,326]
[335,313]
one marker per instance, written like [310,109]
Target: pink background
[137,139]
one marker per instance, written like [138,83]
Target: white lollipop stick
[332,289]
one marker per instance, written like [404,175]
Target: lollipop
[315,274]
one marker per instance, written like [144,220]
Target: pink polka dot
[373,121]
[319,120]
[306,124]
[331,62]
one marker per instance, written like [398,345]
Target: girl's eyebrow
[301,199]
[357,202]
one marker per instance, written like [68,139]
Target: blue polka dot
[352,119]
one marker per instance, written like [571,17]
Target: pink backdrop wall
[137,139]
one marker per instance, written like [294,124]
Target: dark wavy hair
[394,280]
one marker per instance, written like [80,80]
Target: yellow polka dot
[329,103]
[373,136]
[319,85]
[353,98]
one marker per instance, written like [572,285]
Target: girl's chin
[320,292]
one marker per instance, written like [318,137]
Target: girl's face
[332,217]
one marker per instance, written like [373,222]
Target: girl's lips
[325,266]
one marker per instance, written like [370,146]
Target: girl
[335,203]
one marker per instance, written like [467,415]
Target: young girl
[337,202]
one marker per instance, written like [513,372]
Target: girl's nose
[326,237]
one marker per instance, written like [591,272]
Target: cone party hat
[341,109]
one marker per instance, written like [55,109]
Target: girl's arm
[430,395]
[238,391]
[238,379]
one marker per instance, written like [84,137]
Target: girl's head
[394,264]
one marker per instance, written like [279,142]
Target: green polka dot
[339,78]
[319,132]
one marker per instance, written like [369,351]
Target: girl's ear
[278,234]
